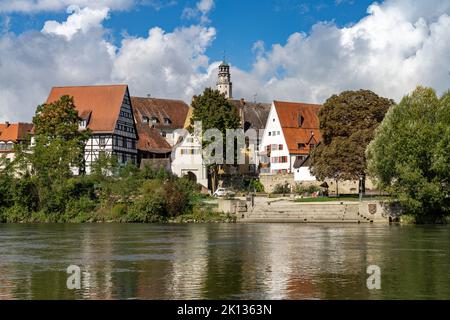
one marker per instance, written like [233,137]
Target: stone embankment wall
[285,210]
[269,181]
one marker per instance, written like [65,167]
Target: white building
[292,131]
[107,112]
[187,157]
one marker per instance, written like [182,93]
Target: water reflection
[224,261]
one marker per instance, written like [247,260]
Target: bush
[79,210]
[16,214]
[256,186]
[282,188]
[148,209]
[301,189]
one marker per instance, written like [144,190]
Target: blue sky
[239,24]
[292,50]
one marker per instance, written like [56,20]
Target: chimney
[7,124]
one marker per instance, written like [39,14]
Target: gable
[299,132]
[102,103]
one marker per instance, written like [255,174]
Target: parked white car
[223,192]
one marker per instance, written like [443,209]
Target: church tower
[224,84]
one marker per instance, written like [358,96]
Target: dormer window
[301,120]
[82,124]
[154,120]
[301,146]
[167,121]
[145,119]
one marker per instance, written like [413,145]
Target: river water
[224,261]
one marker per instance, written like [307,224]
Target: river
[224,261]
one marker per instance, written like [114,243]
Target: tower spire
[224,84]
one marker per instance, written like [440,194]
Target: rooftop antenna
[224,53]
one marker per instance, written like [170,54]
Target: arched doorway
[191,176]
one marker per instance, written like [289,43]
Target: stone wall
[269,181]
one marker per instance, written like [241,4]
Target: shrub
[256,185]
[282,188]
[301,189]
[148,209]
[180,196]
[16,214]
[79,210]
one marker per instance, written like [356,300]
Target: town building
[165,115]
[187,156]
[253,116]
[10,135]
[105,110]
[292,131]
[157,121]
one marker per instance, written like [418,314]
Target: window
[270,133]
[163,134]
[167,121]
[190,140]
[301,158]
[155,120]
[301,146]
[145,119]
[283,159]
[190,152]
[102,141]
[301,119]
[311,146]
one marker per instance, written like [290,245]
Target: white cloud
[201,11]
[164,64]
[32,6]
[398,45]
[79,20]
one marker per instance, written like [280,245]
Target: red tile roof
[289,113]
[174,110]
[14,132]
[102,103]
[150,140]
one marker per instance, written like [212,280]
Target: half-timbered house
[105,110]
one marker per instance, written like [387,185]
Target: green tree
[410,155]
[347,123]
[215,112]
[58,147]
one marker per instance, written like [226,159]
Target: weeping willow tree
[410,155]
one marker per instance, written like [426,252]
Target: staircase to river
[324,212]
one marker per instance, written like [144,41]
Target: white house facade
[292,131]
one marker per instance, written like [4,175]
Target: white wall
[273,125]
[184,163]
[303,174]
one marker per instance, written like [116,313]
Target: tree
[347,123]
[58,147]
[215,112]
[410,155]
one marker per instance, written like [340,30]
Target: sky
[278,49]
